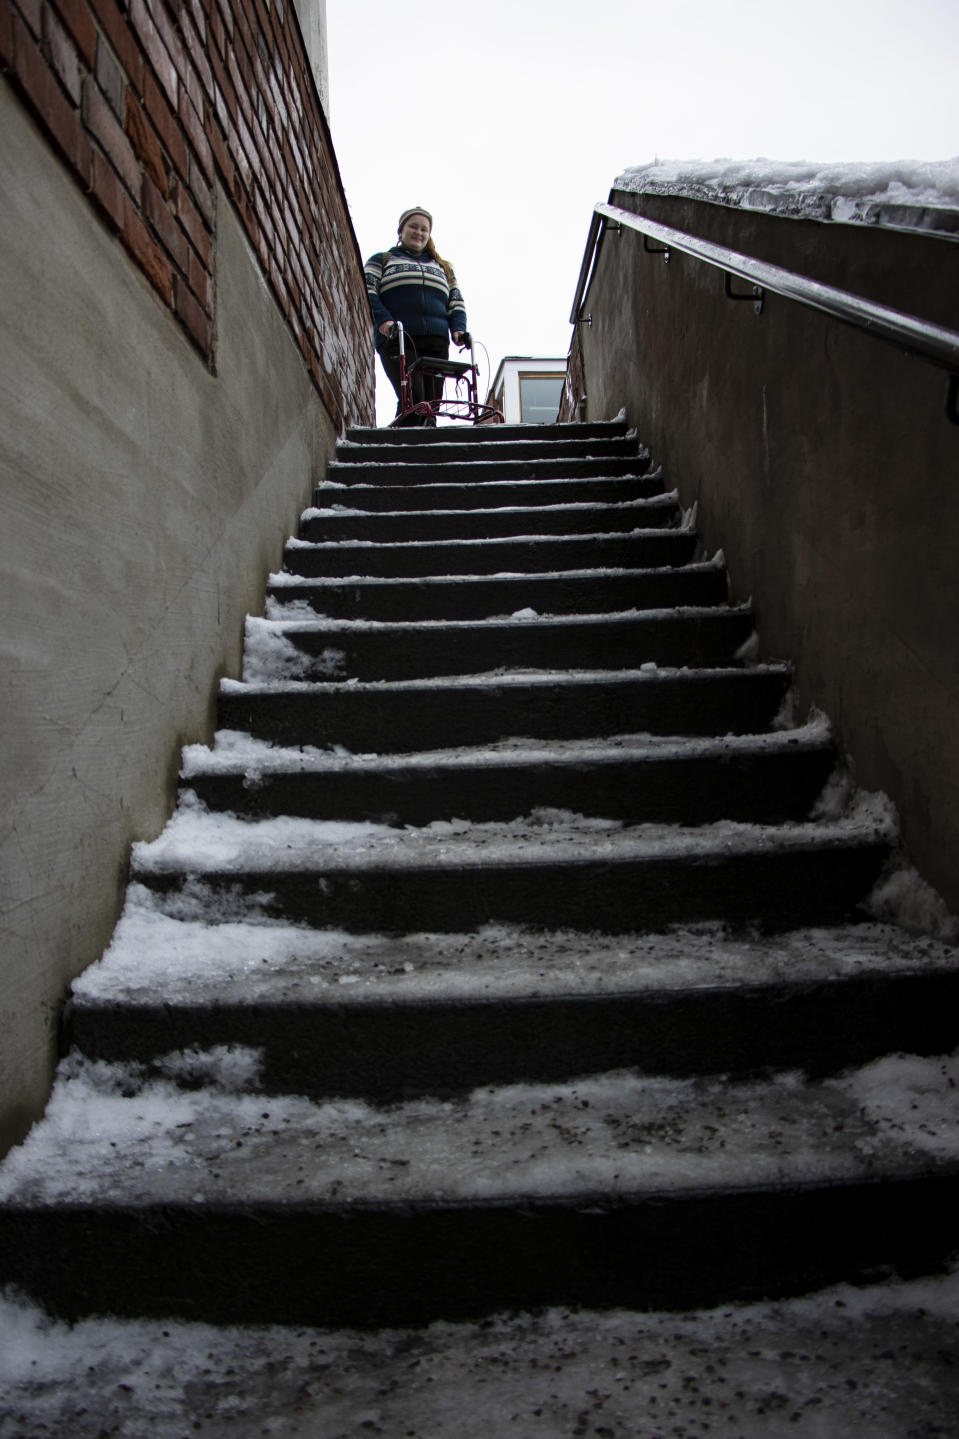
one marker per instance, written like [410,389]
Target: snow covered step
[376,650]
[470,597]
[517,555]
[405,715]
[450,447]
[541,436]
[321,526]
[569,872]
[759,778]
[613,1189]
[389,1017]
[360,491]
[484,466]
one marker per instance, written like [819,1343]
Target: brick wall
[574,388]
[148,102]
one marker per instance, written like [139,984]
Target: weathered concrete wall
[823,466]
[144,501]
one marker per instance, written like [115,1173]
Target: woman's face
[415,233]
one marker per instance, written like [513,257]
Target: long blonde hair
[445,265]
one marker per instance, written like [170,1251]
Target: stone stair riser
[410,472]
[446,450]
[474,599]
[611,895]
[444,716]
[395,653]
[488,524]
[360,492]
[479,557]
[407,1264]
[756,788]
[488,436]
[394,1050]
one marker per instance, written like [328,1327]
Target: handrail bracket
[952,397]
[757,294]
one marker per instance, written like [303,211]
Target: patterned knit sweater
[414,290]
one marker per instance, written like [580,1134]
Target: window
[539,397]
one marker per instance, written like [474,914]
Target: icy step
[450,447]
[488,436]
[477,466]
[387,1017]
[465,597]
[360,488]
[431,714]
[322,526]
[567,872]
[376,650]
[765,778]
[613,1189]
[510,555]
[847,1362]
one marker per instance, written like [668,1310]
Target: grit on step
[505,951]
[878,1360]
[510,555]
[380,650]
[568,872]
[420,714]
[501,1005]
[459,471]
[616,1189]
[466,597]
[764,778]
[503,522]
[368,492]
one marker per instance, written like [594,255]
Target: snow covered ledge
[904,194]
[821,459]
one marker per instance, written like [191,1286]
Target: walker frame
[461,406]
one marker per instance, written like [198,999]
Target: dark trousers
[425,387]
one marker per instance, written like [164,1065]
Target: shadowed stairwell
[503,952]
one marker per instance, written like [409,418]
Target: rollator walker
[464,404]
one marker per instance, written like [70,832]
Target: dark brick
[195,133]
[165,123]
[111,79]
[192,315]
[124,45]
[221,156]
[194,225]
[197,56]
[202,193]
[77,19]
[196,12]
[6,35]
[107,192]
[219,34]
[226,14]
[32,12]
[147,254]
[199,278]
[47,100]
[103,125]
[145,143]
[62,54]
[156,51]
[164,225]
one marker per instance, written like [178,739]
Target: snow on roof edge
[903,194]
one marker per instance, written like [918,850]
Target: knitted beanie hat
[415,210]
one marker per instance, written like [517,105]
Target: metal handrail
[929,342]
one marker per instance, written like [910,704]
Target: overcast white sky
[508,119]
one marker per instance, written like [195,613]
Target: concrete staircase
[499,954]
